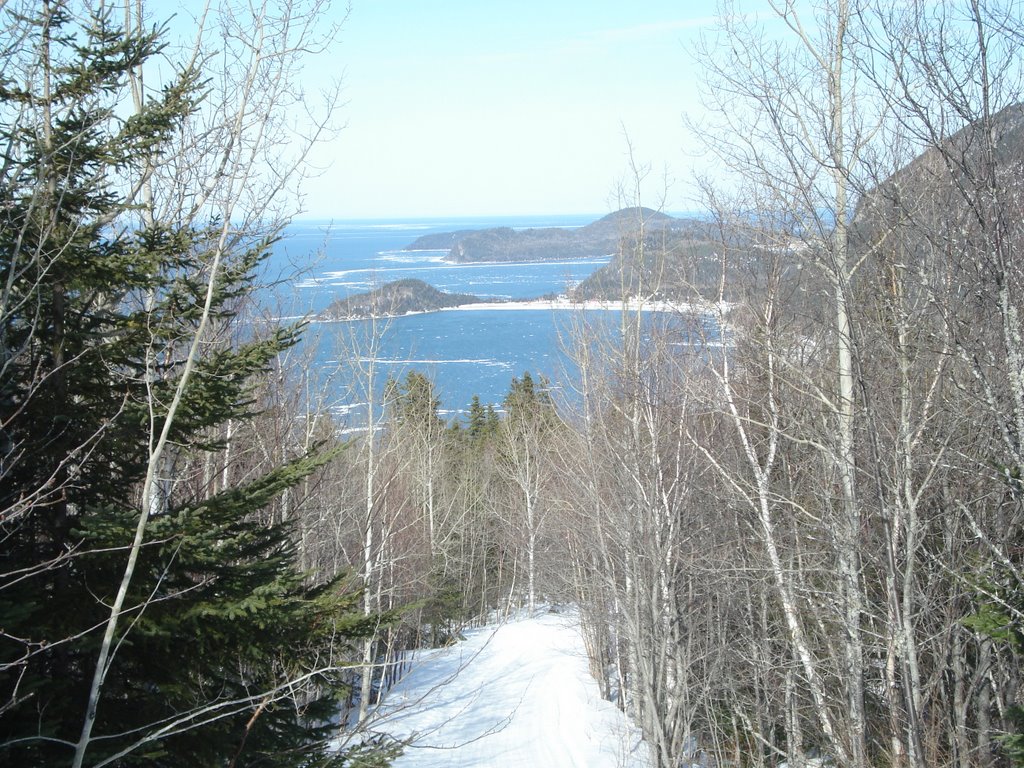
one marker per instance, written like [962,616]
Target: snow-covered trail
[516,695]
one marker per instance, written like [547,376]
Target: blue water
[336,259]
[465,353]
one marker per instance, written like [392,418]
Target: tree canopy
[148,614]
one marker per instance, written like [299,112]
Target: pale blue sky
[475,107]
[469,107]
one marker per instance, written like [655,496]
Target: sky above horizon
[469,108]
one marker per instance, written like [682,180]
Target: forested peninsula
[599,238]
[652,254]
[399,297]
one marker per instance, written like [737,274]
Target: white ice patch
[413,257]
[467,361]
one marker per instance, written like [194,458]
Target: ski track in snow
[519,695]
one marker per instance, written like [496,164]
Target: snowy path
[518,695]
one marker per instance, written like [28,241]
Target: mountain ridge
[505,244]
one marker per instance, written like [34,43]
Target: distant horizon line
[443,216]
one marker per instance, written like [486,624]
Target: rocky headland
[400,297]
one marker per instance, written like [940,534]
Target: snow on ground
[519,694]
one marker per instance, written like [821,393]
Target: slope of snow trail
[518,695]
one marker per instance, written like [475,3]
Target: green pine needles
[120,361]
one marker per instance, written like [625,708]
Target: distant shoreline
[562,304]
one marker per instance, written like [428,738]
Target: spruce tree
[223,655]
[414,403]
[529,401]
[477,419]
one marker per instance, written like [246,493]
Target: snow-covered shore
[630,305]
[563,304]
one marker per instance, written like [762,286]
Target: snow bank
[519,694]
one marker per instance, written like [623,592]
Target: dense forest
[792,526]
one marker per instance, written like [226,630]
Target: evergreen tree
[481,421]
[414,404]
[476,423]
[527,401]
[222,654]
[493,420]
